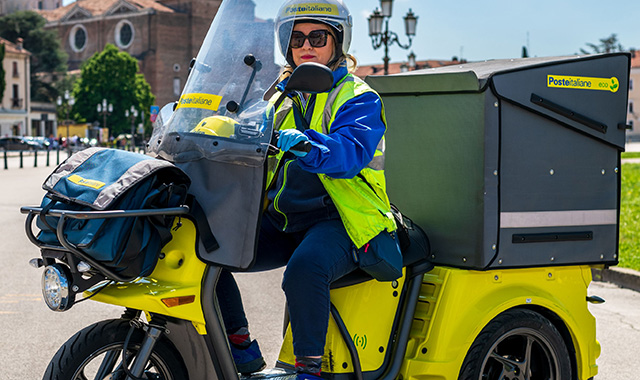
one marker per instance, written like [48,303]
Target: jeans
[314,259]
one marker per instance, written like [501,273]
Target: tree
[3,84]
[111,75]
[606,45]
[44,45]
[63,84]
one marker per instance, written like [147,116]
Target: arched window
[124,34]
[78,38]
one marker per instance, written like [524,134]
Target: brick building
[164,35]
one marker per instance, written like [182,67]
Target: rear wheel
[95,352]
[518,344]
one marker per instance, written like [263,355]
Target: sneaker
[248,360]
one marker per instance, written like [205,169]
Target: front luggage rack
[67,246]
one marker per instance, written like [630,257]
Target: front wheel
[95,352]
[518,344]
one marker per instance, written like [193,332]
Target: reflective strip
[557,218]
[377,163]
[282,112]
[135,173]
[69,166]
[331,98]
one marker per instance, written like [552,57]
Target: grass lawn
[630,154]
[630,217]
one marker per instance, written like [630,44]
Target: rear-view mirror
[310,77]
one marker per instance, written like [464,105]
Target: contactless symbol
[360,341]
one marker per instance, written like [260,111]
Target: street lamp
[133,114]
[412,61]
[105,110]
[70,101]
[386,37]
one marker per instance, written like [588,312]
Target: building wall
[172,57]
[633,108]
[43,119]
[14,118]
[164,42]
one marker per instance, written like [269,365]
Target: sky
[495,29]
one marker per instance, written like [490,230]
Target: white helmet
[331,12]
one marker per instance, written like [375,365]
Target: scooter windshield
[222,113]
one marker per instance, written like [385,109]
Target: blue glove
[290,137]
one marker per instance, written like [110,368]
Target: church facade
[164,35]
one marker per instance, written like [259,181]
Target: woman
[323,204]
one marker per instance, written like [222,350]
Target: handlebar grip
[302,146]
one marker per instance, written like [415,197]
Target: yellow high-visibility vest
[361,201]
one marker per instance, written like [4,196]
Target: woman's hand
[289,138]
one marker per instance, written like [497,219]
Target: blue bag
[98,179]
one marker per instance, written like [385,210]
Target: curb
[623,277]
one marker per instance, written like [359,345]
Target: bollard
[48,150]
[58,155]
[21,160]
[35,158]
[6,166]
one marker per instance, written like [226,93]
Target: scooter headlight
[55,287]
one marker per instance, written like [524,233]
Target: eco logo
[360,341]
[92,183]
[206,101]
[583,83]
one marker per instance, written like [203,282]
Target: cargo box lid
[585,93]
[454,78]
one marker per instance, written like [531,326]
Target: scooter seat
[415,258]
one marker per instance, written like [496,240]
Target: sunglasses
[317,38]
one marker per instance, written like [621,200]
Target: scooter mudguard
[174,287]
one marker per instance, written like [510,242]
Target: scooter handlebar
[303,146]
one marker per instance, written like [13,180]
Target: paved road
[30,333]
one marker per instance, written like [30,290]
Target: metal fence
[41,157]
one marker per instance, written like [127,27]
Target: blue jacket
[352,142]
[343,153]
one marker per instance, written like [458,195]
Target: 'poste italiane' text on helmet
[333,13]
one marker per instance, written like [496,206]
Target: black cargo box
[510,163]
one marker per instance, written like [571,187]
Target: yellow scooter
[513,230]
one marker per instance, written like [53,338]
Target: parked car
[39,142]
[17,143]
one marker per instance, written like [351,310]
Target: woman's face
[308,53]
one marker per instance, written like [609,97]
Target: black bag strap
[301,122]
[208,240]
[43,214]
